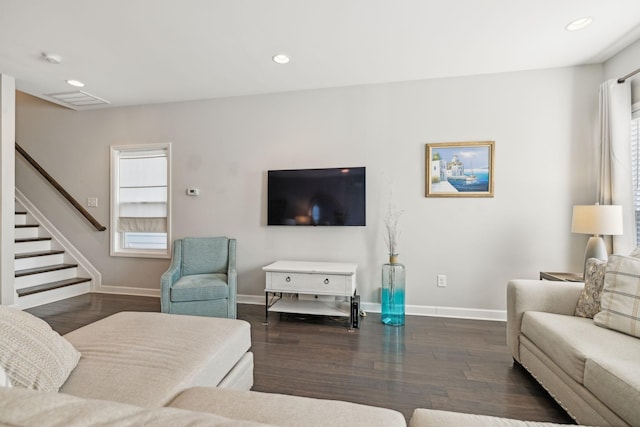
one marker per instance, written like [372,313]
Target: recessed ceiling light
[75,83]
[579,24]
[281,58]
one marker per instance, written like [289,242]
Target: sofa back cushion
[620,302]
[204,255]
[32,354]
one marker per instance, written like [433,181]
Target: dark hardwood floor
[448,364]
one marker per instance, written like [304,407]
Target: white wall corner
[7,182]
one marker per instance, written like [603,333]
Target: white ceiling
[133,52]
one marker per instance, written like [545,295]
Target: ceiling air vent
[77,99]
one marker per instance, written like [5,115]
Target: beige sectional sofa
[150,369]
[156,369]
[592,371]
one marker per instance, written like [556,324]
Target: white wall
[542,122]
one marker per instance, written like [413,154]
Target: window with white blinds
[635,173]
[140,200]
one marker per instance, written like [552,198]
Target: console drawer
[307,283]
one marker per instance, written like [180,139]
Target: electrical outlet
[92,202]
[442,280]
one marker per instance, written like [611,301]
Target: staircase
[44,270]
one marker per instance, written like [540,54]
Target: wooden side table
[561,277]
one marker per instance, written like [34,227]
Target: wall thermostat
[193,192]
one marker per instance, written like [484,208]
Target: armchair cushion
[204,255]
[200,287]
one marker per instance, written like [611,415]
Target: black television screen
[334,196]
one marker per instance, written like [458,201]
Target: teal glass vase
[393,274]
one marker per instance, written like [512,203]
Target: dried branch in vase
[392,232]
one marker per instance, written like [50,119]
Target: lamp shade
[597,219]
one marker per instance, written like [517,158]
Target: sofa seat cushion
[617,384]
[146,359]
[436,418]
[284,410]
[26,408]
[200,287]
[569,341]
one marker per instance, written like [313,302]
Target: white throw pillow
[620,300]
[32,354]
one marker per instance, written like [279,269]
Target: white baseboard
[453,312]
[412,310]
[128,290]
[415,310]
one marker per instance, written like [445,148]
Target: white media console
[311,288]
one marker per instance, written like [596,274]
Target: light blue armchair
[202,278]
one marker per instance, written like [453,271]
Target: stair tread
[38,270]
[50,286]
[32,239]
[20,213]
[27,225]
[39,253]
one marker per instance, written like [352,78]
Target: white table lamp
[597,220]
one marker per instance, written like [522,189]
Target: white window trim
[116,250]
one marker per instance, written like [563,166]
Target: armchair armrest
[537,295]
[170,276]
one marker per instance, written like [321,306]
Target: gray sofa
[591,371]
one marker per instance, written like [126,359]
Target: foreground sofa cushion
[620,302]
[569,341]
[146,359]
[435,418]
[617,384]
[32,354]
[284,410]
[26,408]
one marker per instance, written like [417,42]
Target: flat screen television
[334,196]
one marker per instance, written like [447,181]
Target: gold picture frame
[459,169]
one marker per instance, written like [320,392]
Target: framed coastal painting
[459,169]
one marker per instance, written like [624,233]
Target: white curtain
[615,184]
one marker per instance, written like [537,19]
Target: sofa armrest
[537,295]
